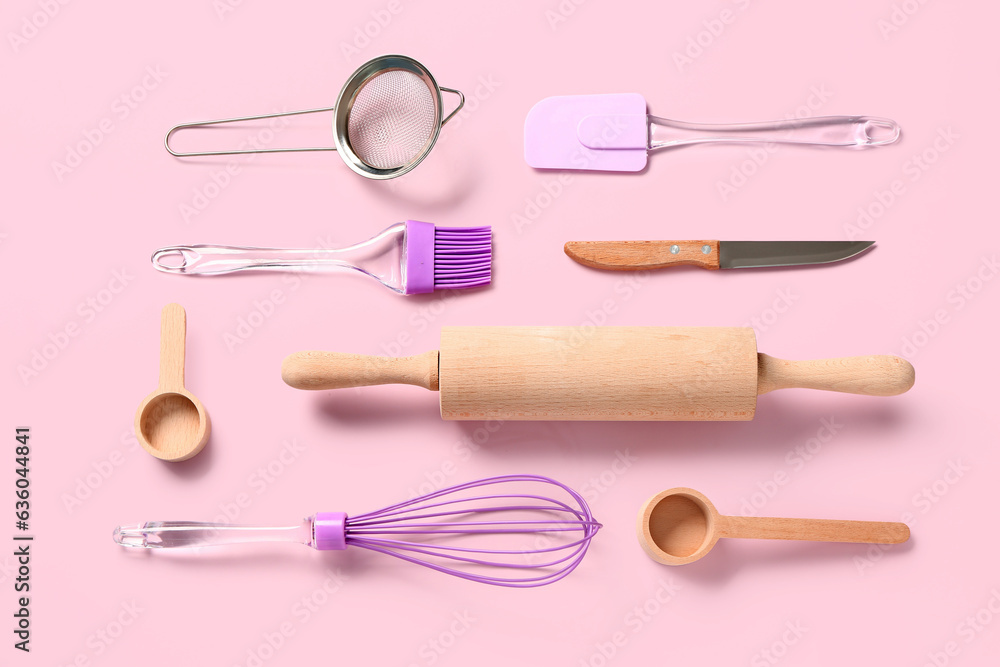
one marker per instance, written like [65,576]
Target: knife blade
[646,255]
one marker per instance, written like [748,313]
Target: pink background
[65,238]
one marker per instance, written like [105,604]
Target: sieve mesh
[391,120]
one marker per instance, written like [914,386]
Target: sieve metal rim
[345,102]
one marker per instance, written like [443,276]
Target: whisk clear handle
[326,531]
[182,534]
[847,131]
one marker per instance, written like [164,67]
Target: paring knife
[645,255]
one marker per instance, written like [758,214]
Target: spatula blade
[551,139]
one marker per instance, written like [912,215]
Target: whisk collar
[330,531]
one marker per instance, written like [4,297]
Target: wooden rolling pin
[599,373]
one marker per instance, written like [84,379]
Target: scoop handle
[875,375]
[334,370]
[173,330]
[815,530]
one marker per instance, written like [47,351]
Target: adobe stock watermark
[485,87]
[250,321]
[461,452]
[57,342]
[795,459]
[302,611]
[8,569]
[535,205]
[260,480]
[599,484]
[758,156]
[121,108]
[709,33]
[420,321]
[913,170]
[437,646]
[263,308]
[966,631]
[556,15]
[624,291]
[378,21]
[223,8]
[955,301]
[220,179]
[899,15]
[637,619]
[774,653]
[99,473]
[783,301]
[551,189]
[922,503]
[34,23]
[107,635]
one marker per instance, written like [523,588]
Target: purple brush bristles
[446,257]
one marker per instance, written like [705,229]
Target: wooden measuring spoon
[680,525]
[171,424]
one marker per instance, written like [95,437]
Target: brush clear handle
[851,131]
[181,534]
[381,257]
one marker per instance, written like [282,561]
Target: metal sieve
[387,119]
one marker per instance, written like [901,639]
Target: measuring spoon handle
[816,530]
[173,329]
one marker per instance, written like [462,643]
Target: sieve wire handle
[461,103]
[206,123]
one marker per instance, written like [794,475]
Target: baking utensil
[646,255]
[502,530]
[171,424]
[614,133]
[599,373]
[386,120]
[409,258]
[681,525]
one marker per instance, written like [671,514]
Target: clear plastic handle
[850,131]
[181,534]
[382,257]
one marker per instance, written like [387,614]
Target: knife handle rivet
[705,249]
[674,249]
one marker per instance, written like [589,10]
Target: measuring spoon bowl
[678,526]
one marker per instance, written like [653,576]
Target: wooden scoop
[680,525]
[171,424]
[599,373]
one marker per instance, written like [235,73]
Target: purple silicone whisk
[533,539]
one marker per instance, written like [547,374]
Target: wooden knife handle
[644,255]
[334,370]
[877,375]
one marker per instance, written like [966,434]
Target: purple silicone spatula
[614,132]
[523,531]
